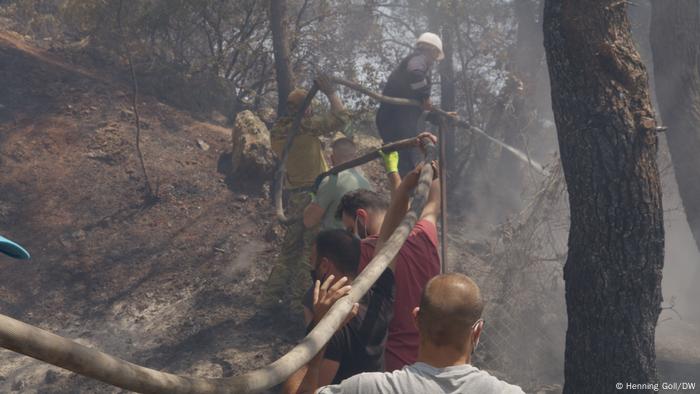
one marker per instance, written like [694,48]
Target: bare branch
[150,195]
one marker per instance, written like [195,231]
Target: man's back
[332,189]
[359,345]
[423,378]
[416,263]
[411,80]
[305,160]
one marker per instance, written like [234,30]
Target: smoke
[682,261]
[679,322]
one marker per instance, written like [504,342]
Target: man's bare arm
[394,182]
[313,214]
[293,383]
[326,86]
[336,103]
[317,373]
[400,201]
[397,209]
[431,210]
[310,382]
[321,371]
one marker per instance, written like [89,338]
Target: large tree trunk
[608,144]
[675,42]
[280,46]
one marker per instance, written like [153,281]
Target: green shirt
[332,189]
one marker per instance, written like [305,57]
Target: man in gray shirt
[322,208]
[449,321]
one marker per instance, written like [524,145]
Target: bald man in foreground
[449,322]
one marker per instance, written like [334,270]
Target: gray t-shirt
[421,378]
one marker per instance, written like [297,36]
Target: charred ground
[171,285]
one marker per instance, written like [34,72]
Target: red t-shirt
[417,262]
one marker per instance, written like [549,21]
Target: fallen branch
[53,349]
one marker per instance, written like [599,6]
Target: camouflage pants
[289,278]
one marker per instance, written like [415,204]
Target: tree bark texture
[675,42]
[280,47]
[608,145]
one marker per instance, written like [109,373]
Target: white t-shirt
[421,378]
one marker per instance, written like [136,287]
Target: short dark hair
[360,199]
[342,248]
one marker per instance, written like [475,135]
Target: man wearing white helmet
[411,80]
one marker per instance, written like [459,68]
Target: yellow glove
[391,161]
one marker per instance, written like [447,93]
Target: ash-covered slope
[170,285]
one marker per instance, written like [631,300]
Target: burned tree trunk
[608,144]
[280,46]
[675,42]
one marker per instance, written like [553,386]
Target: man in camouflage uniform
[289,278]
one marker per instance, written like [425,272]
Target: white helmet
[434,40]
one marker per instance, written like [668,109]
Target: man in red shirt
[416,263]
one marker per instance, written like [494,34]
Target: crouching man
[449,323]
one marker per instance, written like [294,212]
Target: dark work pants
[396,123]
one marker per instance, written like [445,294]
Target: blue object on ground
[12,249]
